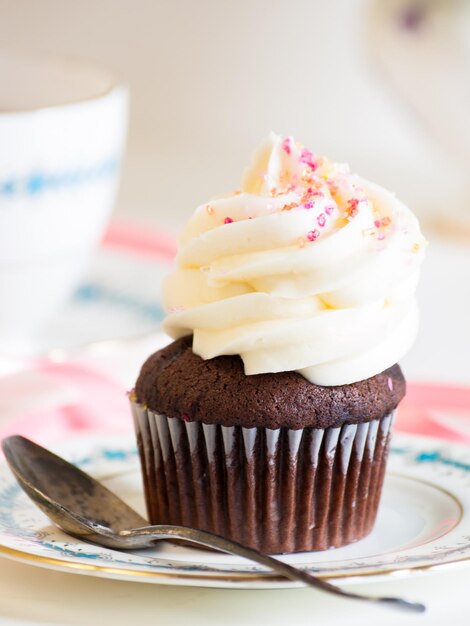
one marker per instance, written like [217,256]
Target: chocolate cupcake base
[279,491]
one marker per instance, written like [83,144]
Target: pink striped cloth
[51,401]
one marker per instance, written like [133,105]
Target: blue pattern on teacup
[39,182]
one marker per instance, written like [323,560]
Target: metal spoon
[84,508]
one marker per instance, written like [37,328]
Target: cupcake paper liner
[278,491]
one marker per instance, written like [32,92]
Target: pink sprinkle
[308,205]
[381,237]
[307,157]
[321,220]
[312,235]
[390,383]
[377,223]
[286,145]
[329,209]
[352,209]
[228,220]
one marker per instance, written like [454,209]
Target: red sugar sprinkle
[312,235]
[228,220]
[329,209]
[309,194]
[377,223]
[321,220]
[308,205]
[352,209]
[286,145]
[186,418]
[307,157]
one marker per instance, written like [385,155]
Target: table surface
[31,595]
[47,597]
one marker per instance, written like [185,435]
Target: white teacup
[62,136]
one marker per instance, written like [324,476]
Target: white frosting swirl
[307,268]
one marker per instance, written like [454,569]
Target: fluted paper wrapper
[279,491]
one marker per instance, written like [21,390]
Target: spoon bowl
[67,495]
[84,508]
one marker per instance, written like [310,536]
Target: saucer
[423,524]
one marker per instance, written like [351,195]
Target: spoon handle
[211,540]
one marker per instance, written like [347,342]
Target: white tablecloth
[46,597]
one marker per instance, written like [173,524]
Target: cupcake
[269,417]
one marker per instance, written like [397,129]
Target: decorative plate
[423,524]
